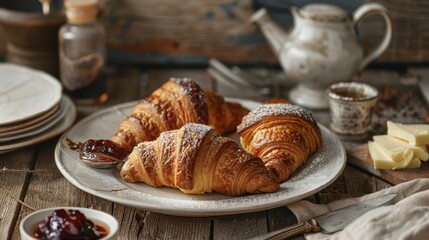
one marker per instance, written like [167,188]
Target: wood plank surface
[351,183]
[281,217]
[45,187]
[15,173]
[159,226]
[241,226]
[129,220]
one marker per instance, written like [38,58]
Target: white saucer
[309,98]
[26,93]
[29,125]
[62,125]
[32,123]
[64,108]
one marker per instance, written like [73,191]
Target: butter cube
[398,150]
[381,159]
[414,134]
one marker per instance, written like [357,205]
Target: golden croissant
[175,103]
[282,135]
[197,160]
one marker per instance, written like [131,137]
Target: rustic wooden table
[30,180]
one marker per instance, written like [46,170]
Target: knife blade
[332,221]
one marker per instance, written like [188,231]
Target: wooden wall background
[188,32]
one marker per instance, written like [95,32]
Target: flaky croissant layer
[177,102]
[282,135]
[197,160]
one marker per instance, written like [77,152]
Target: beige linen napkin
[407,218]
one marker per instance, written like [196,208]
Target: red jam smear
[71,224]
[75,146]
[105,147]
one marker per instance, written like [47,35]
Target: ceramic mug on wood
[351,106]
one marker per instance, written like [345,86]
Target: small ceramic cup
[350,105]
[30,222]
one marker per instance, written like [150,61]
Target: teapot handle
[374,8]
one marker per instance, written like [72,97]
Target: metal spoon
[99,153]
[225,71]
[256,81]
[99,160]
[247,91]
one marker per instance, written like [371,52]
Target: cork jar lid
[81,11]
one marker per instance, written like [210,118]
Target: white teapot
[321,48]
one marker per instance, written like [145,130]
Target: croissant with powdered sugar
[197,160]
[174,104]
[282,135]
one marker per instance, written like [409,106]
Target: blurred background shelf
[165,32]
[154,32]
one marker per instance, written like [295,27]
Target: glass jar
[82,51]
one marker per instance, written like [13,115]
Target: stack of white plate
[32,107]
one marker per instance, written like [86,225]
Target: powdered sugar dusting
[279,109]
[194,131]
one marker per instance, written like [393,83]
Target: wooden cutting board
[359,157]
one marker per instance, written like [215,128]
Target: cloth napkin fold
[406,218]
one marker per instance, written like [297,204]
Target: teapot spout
[275,35]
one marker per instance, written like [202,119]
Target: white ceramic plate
[64,108]
[321,170]
[31,123]
[65,122]
[25,93]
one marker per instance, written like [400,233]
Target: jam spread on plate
[103,150]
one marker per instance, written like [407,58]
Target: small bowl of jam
[68,223]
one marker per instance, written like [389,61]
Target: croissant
[197,160]
[282,135]
[175,103]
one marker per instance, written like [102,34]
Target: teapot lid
[323,12]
